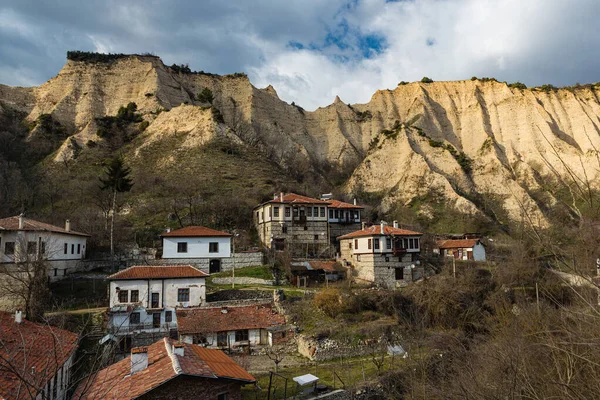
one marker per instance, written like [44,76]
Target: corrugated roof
[196,231]
[12,224]
[159,272]
[457,243]
[375,230]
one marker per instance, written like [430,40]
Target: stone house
[385,255]
[24,239]
[168,370]
[231,327]
[144,300]
[461,249]
[35,359]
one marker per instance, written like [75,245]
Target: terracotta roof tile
[116,381]
[457,243]
[12,224]
[36,350]
[195,231]
[375,230]
[293,198]
[341,204]
[212,319]
[159,272]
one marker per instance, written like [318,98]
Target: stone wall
[240,260]
[327,349]
[381,268]
[310,236]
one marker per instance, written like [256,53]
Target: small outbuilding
[462,249]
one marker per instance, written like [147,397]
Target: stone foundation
[240,260]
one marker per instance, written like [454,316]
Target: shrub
[473,78]
[435,143]
[205,96]
[363,115]
[426,80]
[143,126]
[217,116]
[486,79]
[402,83]
[329,301]
[128,113]
[91,143]
[149,94]
[548,88]
[92,57]
[517,85]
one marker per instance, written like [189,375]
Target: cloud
[311,50]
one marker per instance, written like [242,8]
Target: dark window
[405,242]
[168,316]
[156,320]
[350,245]
[55,271]
[182,247]
[213,247]
[9,248]
[66,247]
[369,244]
[387,259]
[276,212]
[411,243]
[73,248]
[309,212]
[295,211]
[306,228]
[376,244]
[355,214]
[65,272]
[135,296]
[241,335]
[43,247]
[316,212]
[322,211]
[388,243]
[223,396]
[134,318]
[78,248]
[330,214]
[417,243]
[31,247]
[183,295]
[222,339]
[337,213]
[154,303]
[356,244]
[316,237]
[270,211]
[287,211]
[284,229]
[123,296]
[399,274]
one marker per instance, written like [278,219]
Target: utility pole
[233,257]
[453,266]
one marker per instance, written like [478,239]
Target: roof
[158,272]
[293,198]
[37,351]
[220,319]
[341,204]
[196,231]
[457,244]
[116,381]
[12,224]
[375,230]
[329,266]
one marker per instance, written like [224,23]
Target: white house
[143,299]
[462,249]
[23,239]
[198,242]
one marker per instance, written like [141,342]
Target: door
[214,266]
[469,255]
[154,300]
[156,320]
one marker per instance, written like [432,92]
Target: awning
[305,379]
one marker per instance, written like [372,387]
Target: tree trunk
[112,229]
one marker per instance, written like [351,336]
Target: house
[461,249]
[168,370]
[232,326]
[302,224]
[24,239]
[382,254]
[316,271]
[35,359]
[143,301]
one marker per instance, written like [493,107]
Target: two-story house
[343,218]
[24,240]
[382,254]
[143,300]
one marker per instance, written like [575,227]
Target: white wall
[197,288]
[342,215]
[479,252]
[197,247]
[211,338]
[363,245]
[54,245]
[266,213]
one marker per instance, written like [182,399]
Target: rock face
[462,139]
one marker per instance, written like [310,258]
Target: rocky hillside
[472,141]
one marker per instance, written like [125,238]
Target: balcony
[145,327]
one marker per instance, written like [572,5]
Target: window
[358,257]
[369,244]
[78,248]
[295,211]
[316,237]
[241,336]
[337,213]
[356,214]
[306,228]
[135,296]
[270,211]
[376,244]
[388,243]
[123,296]
[287,211]
[356,244]
[309,212]
[316,212]
[183,295]
[66,247]
[276,212]
[73,248]
[330,214]
[399,274]
[284,229]
[134,318]
[65,272]
[31,247]
[322,211]
[387,259]
[55,271]
[417,243]
[182,247]
[168,316]
[405,242]
[9,248]
[411,243]
[350,245]
[222,396]
[213,247]
[222,339]
[43,247]
[154,300]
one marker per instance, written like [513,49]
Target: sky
[313,50]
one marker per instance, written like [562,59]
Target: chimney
[395,224]
[363,225]
[178,348]
[21,221]
[382,225]
[168,230]
[139,359]
[19,316]
[354,201]
[68,225]
[281,197]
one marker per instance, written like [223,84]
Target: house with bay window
[143,301]
[384,255]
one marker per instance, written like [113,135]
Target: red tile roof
[36,351]
[214,319]
[457,244]
[12,224]
[293,198]
[116,381]
[341,204]
[159,272]
[375,230]
[195,231]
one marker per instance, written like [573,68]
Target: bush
[402,83]
[517,85]
[128,114]
[217,116]
[426,80]
[91,144]
[143,126]
[548,88]
[205,96]
[92,57]
[473,78]
[363,115]
[329,301]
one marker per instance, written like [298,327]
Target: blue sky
[313,50]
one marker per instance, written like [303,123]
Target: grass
[259,271]
[74,294]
